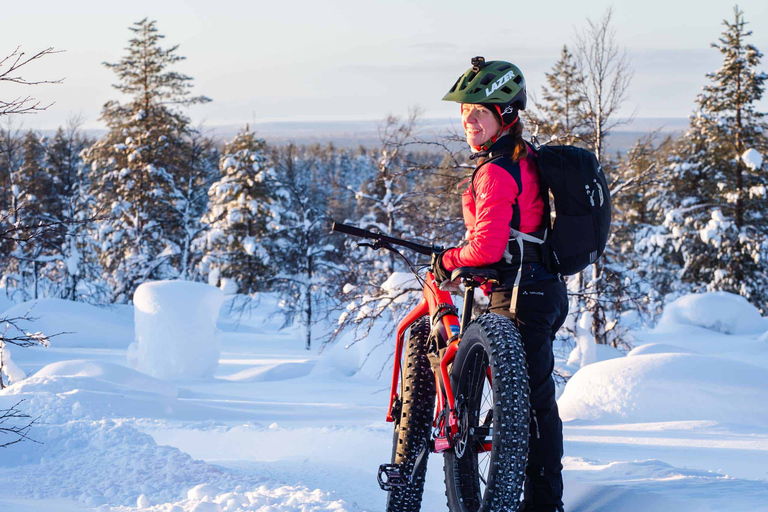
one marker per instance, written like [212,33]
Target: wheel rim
[478,412]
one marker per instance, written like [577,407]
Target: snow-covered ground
[681,424]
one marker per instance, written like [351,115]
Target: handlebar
[384,239]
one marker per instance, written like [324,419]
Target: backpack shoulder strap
[472,179]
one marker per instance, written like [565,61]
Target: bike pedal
[391,477]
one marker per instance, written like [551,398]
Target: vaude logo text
[499,83]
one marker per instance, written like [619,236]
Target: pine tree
[138,164]
[714,211]
[238,215]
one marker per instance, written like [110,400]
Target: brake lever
[378,244]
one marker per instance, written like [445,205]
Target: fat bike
[459,388]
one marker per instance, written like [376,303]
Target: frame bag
[582,208]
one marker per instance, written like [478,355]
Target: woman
[505,198]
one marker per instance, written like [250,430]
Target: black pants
[541,311]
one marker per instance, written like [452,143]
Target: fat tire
[414,423]
[491,339]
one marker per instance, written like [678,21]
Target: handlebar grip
[351,230]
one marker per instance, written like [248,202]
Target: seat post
[469,300]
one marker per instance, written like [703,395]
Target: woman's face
[479,124]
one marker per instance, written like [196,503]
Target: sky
[351,60]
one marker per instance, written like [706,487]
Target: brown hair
[521,148]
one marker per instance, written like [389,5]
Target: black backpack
[582,207]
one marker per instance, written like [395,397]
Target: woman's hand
[438,270]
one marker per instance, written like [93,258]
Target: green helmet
[495,82]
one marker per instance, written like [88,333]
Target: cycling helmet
[497,84]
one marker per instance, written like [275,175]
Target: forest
[156,197]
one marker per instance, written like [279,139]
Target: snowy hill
[681,423]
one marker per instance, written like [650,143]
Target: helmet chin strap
[487,145]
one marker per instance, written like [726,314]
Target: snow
[679,424]
[718,311]
[667,387]
[752,159]
[10,369]
[76,324]
[176,334]
[599,353]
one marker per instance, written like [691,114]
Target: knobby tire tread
[499,338]
[412,428]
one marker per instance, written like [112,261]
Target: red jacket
[488,215]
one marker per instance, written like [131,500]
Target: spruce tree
[713,203]
[137,165]
[559,117]
[238,215]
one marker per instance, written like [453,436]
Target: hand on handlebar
[442,276]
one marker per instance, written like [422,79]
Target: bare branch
[19,432]
[12,64]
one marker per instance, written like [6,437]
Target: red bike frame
[435,303]
[432,301]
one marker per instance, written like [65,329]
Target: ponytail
[521,148]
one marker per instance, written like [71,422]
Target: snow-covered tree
[301,248]
[712,205]
[141,163]
[238,215]
[74,272]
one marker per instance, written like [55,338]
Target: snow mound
[83,325]
[667,387]
[280,371]
[659,348]
[602,353]
[204,498]
[107,463]
[176,333]
[718,311]
[67,376]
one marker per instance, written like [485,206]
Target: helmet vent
[506,90]
[490,77]
[503,67]
[518,79]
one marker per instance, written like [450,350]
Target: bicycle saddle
[483,273]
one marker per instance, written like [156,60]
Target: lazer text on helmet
[499,83]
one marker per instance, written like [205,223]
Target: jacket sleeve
[495,191]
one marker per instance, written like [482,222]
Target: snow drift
[667,387]
[718,311]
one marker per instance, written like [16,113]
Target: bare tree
[18,433]
[9,68]
[604,81]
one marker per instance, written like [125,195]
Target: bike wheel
[477,479]
[413,421]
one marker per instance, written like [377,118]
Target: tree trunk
[309,301]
